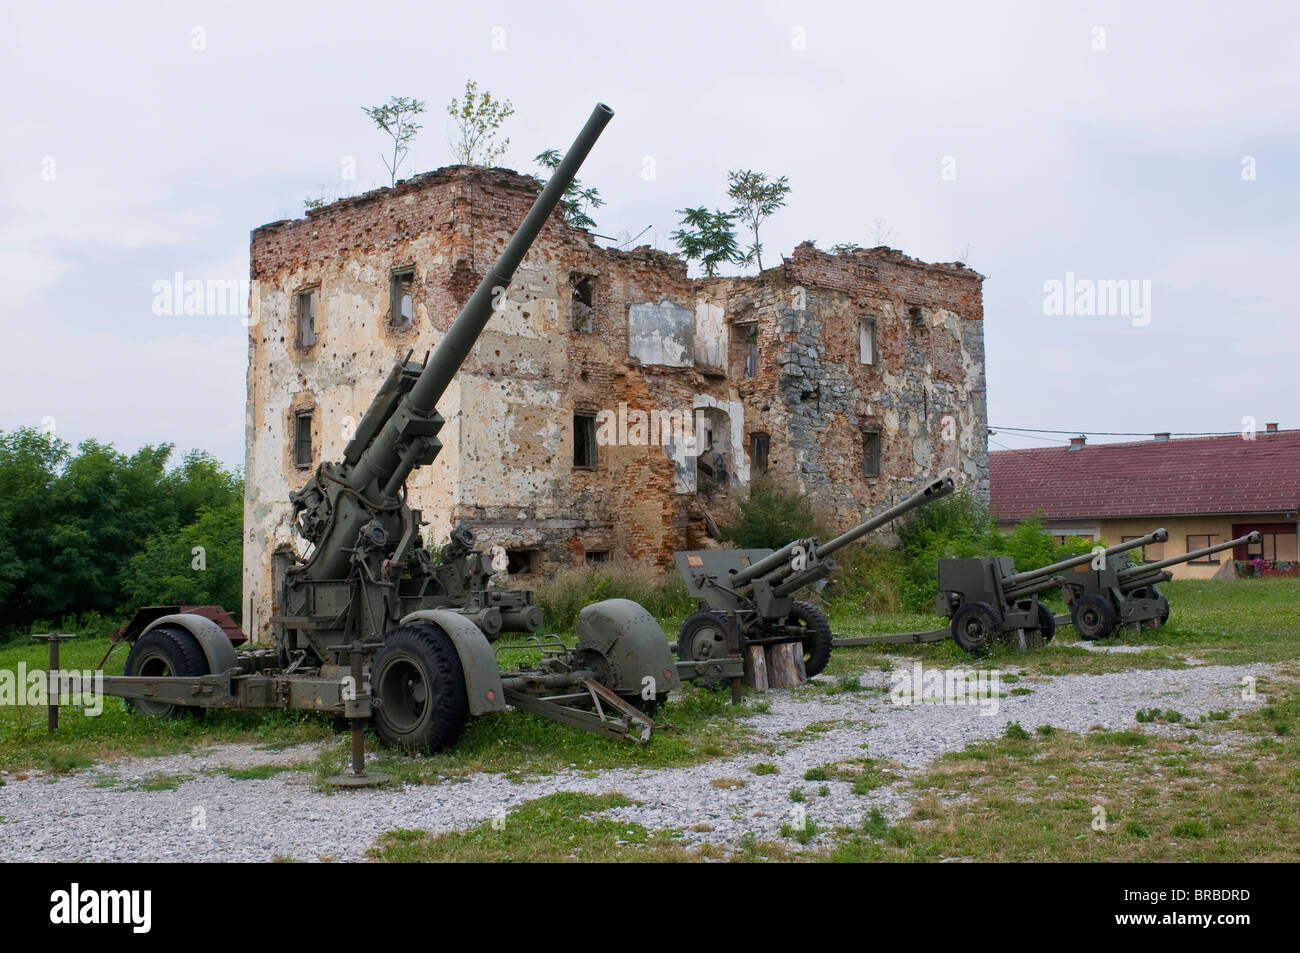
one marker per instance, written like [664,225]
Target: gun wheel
[1093,617]
[975,625]
[702,636]
[161,652]
[818,642]
[419,689]
[1046,623]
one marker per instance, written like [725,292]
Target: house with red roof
[1203,490]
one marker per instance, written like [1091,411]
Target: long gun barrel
[400,432]
[1021,582]
[392,456]
[1136,572]
[779,563]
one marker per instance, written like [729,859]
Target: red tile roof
[1189,476]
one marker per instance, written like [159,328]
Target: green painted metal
[1126,593]
[1008,600]
[756,587]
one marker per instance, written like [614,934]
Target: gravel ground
[102,815]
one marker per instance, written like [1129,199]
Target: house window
[867,341]
[1201,542]
[302,438]
[306,309]
[1151,552]
[583,309]
[401,299]
[597,556]
[870,454]
[751,350]
[521,561]
[1266,548]
[584,440]
[758,446]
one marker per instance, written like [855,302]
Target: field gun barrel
[1016,582]
[1134,572]
[779,565]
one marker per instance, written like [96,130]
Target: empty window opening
[597,555]
[307,318]
[302,454]
[758,447]
[867,341]
[401,313]
[521,561]
[870,454]
[751,350]
[584,440]
[584,302]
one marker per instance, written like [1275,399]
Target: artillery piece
[986,598]
[754,588]
[1126,593]
[367,626]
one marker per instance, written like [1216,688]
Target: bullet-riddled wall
[610,393]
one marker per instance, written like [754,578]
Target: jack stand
[357,776]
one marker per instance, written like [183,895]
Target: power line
[1138,433]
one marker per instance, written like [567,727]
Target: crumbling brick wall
[653,341]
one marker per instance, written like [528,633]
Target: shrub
[565,595]
[771,514]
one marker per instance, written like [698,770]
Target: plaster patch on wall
[710,335]
[662,334]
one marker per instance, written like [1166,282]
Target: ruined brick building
[612,398]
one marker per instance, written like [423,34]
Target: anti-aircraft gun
[1123,592]
[986,598]
[369,625]
[756,588]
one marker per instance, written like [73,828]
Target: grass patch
[1230,795]
[560,827]
[82,741]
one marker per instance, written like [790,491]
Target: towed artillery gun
[368,627]
[1126,593]
[987,599]
[751,593]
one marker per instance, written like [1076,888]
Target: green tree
[709,238]
[198,564]
[756,197]
[71,521]
[577,200]
[397,118]
[479,118]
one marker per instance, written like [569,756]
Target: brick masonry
[654,340]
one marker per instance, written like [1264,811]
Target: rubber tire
[1104,612]
[1046,623]
[696,621]
[425,653]
[992,623]
[818,643]
[179,651]
[1164,616]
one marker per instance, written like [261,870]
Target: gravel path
[82,818]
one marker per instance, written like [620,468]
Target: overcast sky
[1156,144]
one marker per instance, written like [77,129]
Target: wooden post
[756,670]
[785,665]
